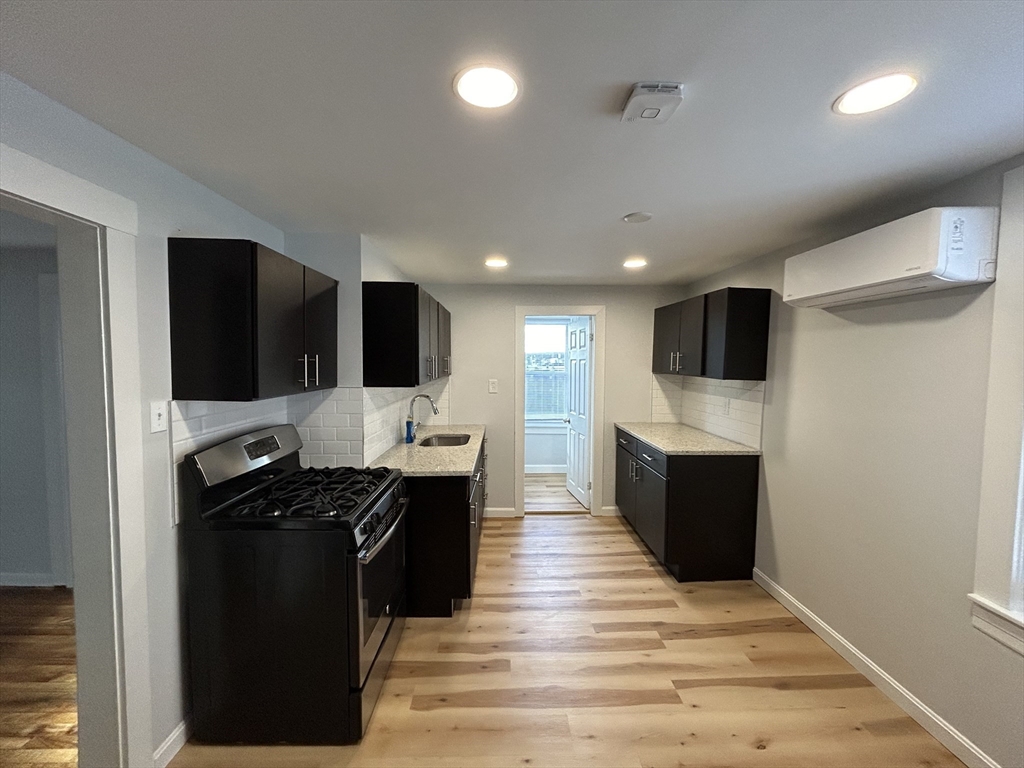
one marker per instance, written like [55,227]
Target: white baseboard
[500,512]
[950,737]
[611,511]
[172,744]
[545,469]
[27,580]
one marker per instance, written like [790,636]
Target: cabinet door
[666,338]
[625,490]
[444,341]
[691,337]
[427,342]
[321,329]
[651,501]
[736,337]
[435,337]
[476,517]
[280,320]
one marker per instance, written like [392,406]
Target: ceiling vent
[652,102]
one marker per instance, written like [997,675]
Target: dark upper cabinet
[444,350]
[666,338]
[679,337]
[406,336]
[321,330]
[690,361]
[736,341]
[720,335]
[247,323]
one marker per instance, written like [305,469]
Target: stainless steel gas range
[295,590]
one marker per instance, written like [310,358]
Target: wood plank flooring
[560,661]
[547,493]
[38,679]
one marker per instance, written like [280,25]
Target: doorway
[557,418]
[85,698]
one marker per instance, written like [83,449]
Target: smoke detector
[652,102]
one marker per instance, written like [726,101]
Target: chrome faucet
[412,415]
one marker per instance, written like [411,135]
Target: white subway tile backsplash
[384,410]
[729,409]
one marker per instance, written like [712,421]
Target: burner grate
[321,494]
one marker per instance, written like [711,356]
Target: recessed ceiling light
[875,94]
[487,87]
[496,262]
[635,262]
[639,217]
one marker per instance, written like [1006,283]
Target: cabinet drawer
[626,441]
[652,457]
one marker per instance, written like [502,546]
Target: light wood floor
[577,651]
[547,493]
[38,680]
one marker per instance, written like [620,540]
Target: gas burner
[333,493]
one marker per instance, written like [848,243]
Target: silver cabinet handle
[430,367]
[447,365]
[316,368]
[304,381]
[472,520]
[649,458]
[623,441]
[672,361]
[631,465]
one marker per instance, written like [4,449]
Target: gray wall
[483,344]
[873,427]
[24,516]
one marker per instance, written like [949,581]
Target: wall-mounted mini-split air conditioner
[928,251]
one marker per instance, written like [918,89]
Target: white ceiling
[340,116]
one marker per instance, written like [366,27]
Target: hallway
[547,493]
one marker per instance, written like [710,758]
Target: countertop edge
[742,450]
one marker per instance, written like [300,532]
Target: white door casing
[577,475]
[599,463]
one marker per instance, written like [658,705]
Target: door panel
[424,333]
[666,338]
[625,491]
[651,500]
[577,477]
[280,321]
[321,329]
[691,337]
[444,341]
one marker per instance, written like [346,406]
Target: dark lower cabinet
[699,519]
[248,323]
[625,491]
[443,539]
[651,501]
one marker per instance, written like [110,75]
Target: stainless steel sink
[445,440]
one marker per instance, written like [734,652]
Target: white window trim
[1000,525]
[998,623]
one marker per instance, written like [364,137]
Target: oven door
[380,587]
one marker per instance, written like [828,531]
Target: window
[998,598]
[545,368]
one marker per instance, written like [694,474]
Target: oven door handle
[367,555]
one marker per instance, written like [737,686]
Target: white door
[577,476]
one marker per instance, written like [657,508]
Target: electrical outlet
[158,416]
[492,386]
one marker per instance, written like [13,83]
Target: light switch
[492,386]
[158,416]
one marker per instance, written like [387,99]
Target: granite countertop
[437,460]
[681,440]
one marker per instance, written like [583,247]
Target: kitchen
[859,405]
